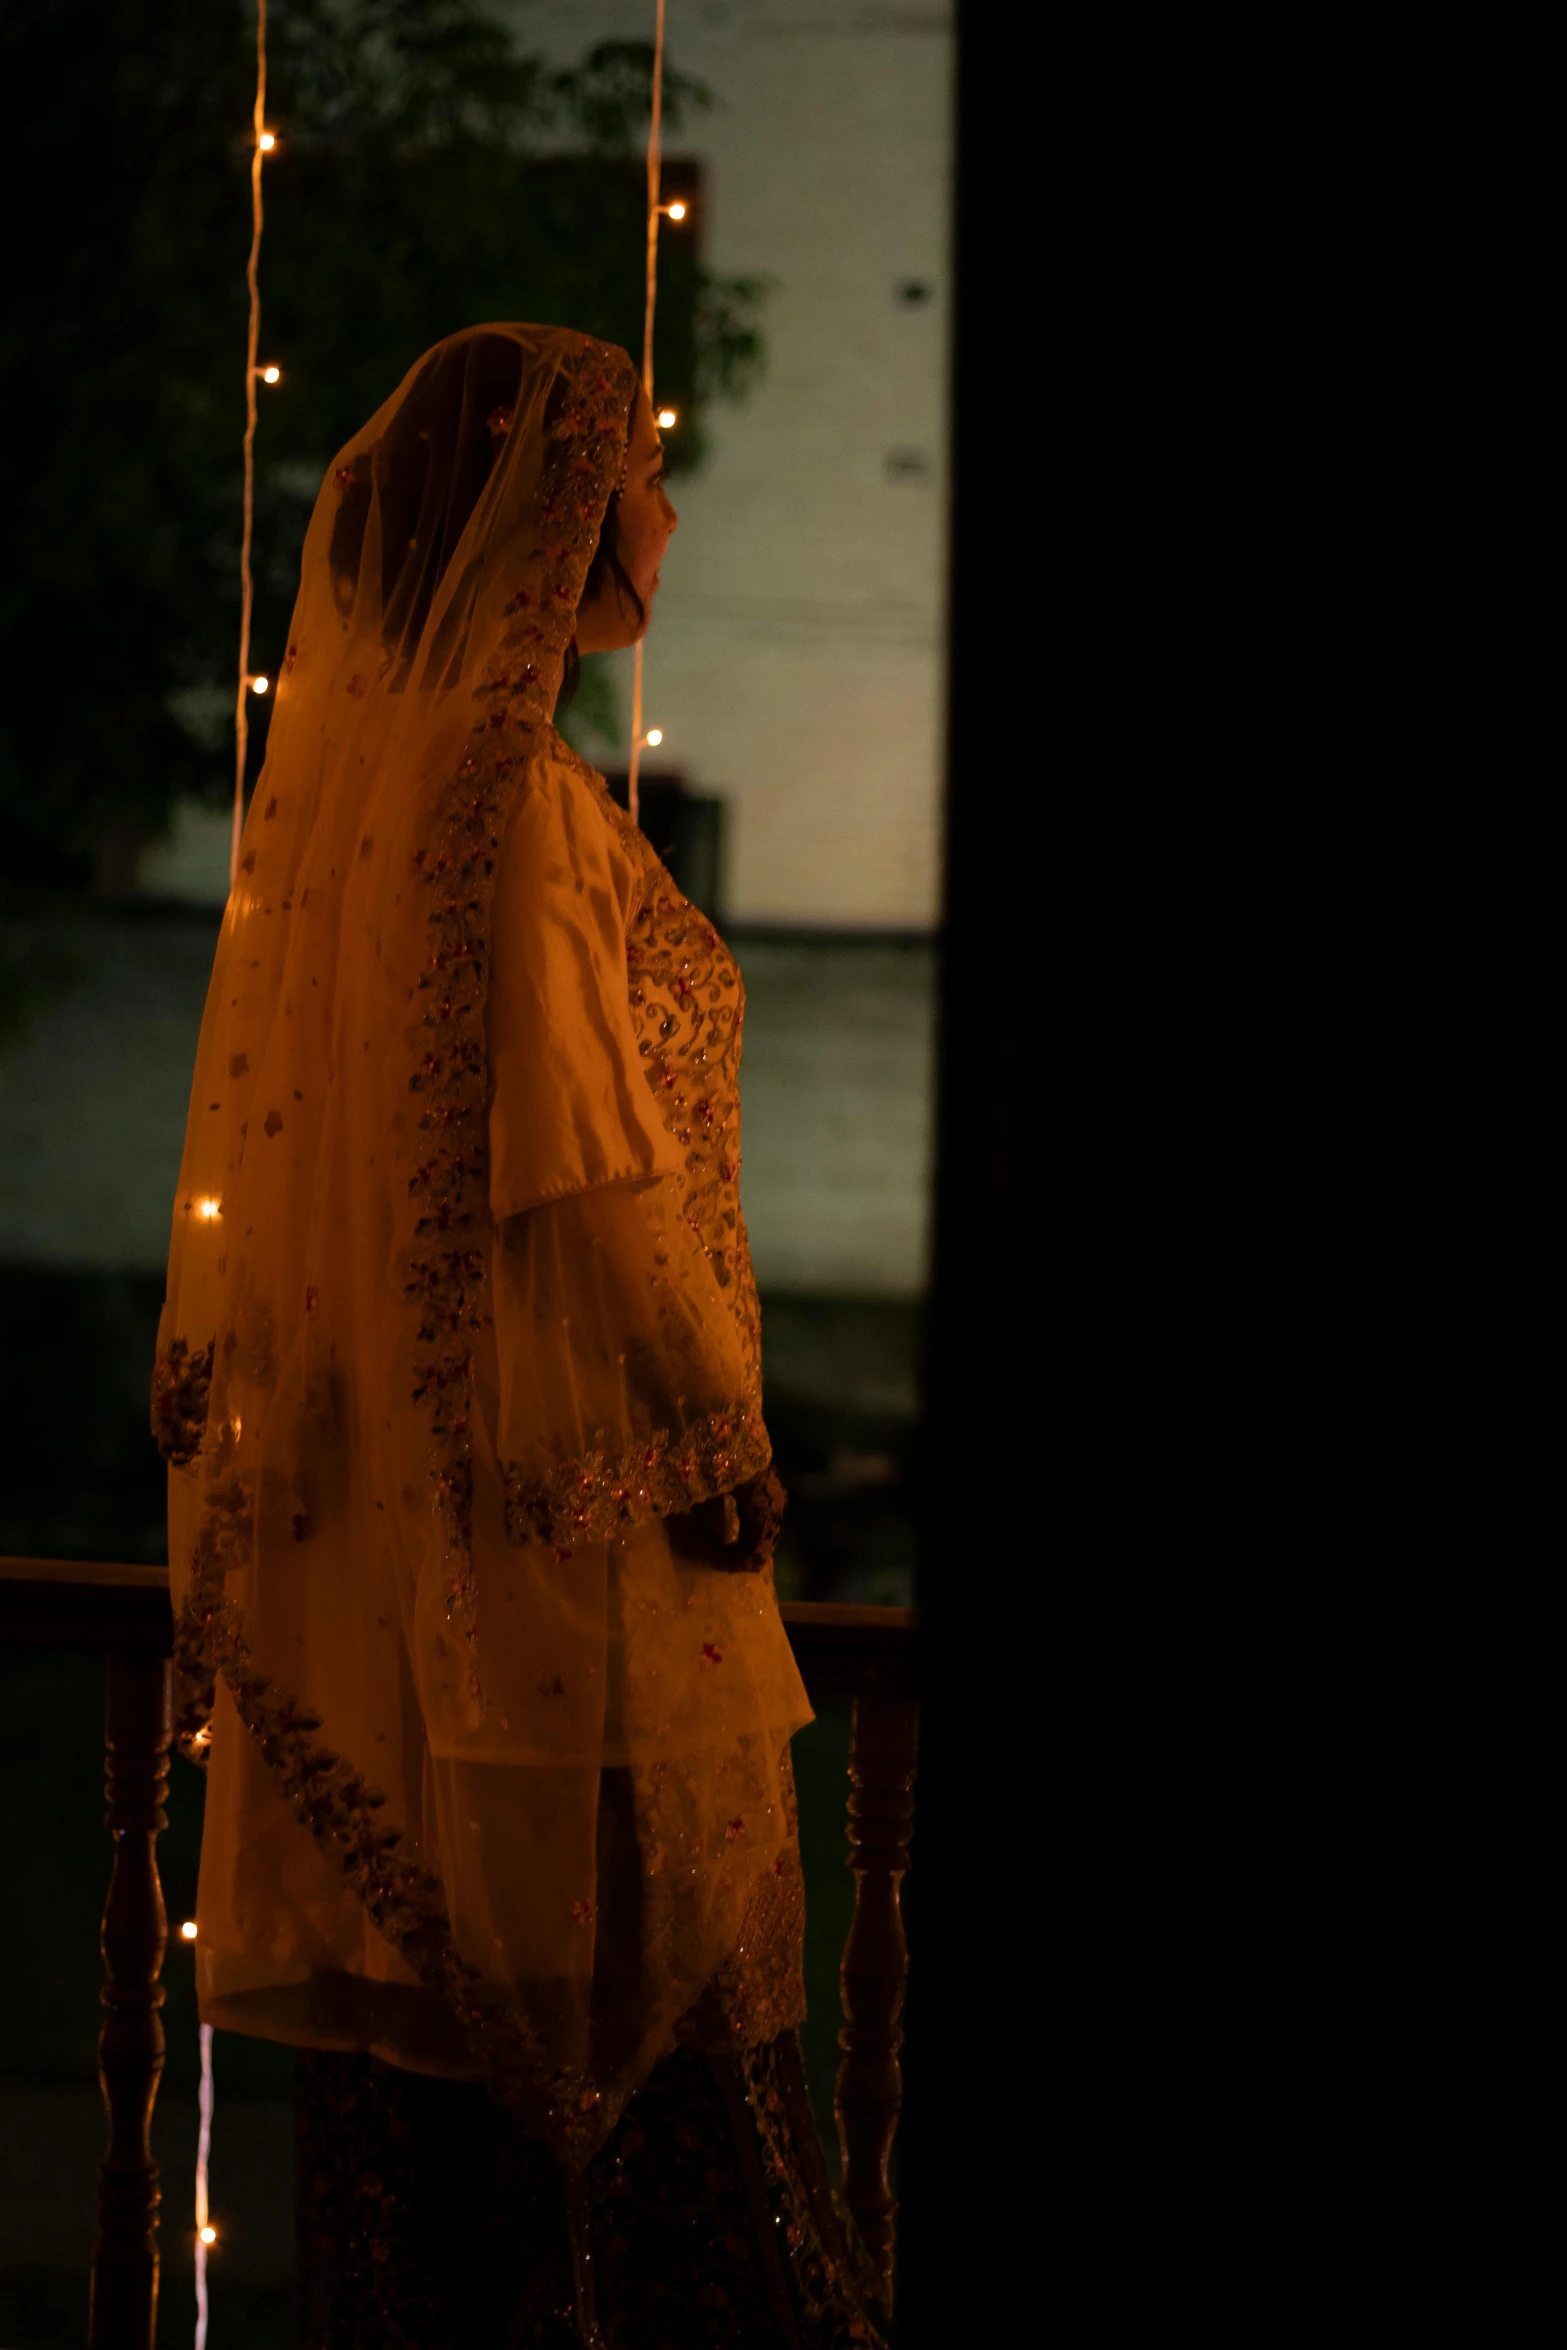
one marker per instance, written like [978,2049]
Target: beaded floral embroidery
[595,1500]
[687,1014]
[181,1385]
[833,2284]
[445,1274]
[688,1009]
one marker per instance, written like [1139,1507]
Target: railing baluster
[130,2045]
[883,1745]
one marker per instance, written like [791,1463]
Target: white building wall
[794,662]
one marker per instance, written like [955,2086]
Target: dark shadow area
[82,1477]
[821,1778]
[840,1397]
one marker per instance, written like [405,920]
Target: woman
[471,1504]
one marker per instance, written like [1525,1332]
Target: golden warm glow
[208,2235]
[667,417]
[272,375]
[207,1209]
[677,212]
[260,685]
[189,1929]
[655,735]
[267,142]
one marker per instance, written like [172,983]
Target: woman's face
[605,621]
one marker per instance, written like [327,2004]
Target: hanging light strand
[205,2232]
[260,144]
[654,167]
[655,162]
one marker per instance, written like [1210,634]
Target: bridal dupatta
[460,1314]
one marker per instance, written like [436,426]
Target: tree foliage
[428,175]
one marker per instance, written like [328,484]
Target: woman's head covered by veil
[432,494]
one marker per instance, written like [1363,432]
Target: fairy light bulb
[655,735]
[208,2234]
[188,1930]
[261,685]
[667,417]
[266,142]
[208,1210]
[676,211]
[271,375]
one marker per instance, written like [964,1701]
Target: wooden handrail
[868,1654]
[104,1604]
[85,1603]
[101,1604]
[853,1651]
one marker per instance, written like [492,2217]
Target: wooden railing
[867,1654]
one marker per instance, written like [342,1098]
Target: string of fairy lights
[264,143]
[655,164]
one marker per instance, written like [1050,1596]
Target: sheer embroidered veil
[329,1273]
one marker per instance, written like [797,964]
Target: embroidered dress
[470,1497]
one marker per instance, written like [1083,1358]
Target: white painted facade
[795,660]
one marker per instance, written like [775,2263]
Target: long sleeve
[569,1106]
[625,1390]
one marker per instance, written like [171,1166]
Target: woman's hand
[734,1532]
